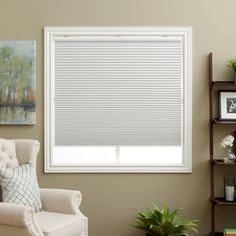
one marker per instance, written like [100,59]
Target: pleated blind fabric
[118,92]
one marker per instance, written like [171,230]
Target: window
[118,99]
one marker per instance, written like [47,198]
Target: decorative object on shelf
[163,222]
[17,82]
[227,108]
[230,232]
[229,188]
[227,144]
[232,65]
[229,156]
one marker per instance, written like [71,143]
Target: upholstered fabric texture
[61,215]
[20,186]
[61,200]
[8,153]
[56,224]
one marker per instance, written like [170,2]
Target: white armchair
[60,216]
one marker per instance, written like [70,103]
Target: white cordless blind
[118,90]
[118,99]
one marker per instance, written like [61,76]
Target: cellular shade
[118,90]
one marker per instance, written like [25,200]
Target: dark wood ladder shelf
[221,201]
[219,234]
[221,162]
[223,83]
[214,123]
[217,121]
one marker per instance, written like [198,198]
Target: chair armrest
[61,201]
[20,216]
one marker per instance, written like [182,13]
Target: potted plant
[163,222]
[232,65]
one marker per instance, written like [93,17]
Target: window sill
[119,169]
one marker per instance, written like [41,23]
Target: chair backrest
[26,150]
[18,151]
[14,152]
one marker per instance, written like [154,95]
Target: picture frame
[227,105]
[18,88]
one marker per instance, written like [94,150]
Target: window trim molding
[50,33]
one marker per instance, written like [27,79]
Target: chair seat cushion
[57,224]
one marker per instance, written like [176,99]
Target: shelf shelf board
[218,121]
[221,202]
[221,162]
[219,233]
[223,83]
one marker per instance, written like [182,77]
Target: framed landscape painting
[17,82]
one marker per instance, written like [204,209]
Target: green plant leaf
[176,234]
[157,230]
[163,222]
[232,64]
[173,215]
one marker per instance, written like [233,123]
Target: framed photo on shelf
[227,102]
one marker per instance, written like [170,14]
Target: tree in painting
[17,82]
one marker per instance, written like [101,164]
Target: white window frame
[51,32]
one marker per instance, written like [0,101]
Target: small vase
[229,156]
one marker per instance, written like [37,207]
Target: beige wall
[109,199]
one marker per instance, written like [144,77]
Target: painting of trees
[17,82]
